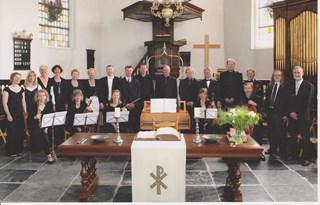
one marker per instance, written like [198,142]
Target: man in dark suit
[166,86]
[130,91]
[301,92]
[231,85]
[146,83]
[105,87]
[188,91]
[257,85]
[212,85]
[275,108]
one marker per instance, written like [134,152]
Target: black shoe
[262,158]
[267,152]
[305,163]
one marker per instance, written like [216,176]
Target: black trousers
[277,133]
[300,126]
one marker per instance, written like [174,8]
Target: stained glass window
[264,23]
[54,24]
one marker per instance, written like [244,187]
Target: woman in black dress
[110,106]
[90,91]
[46,83]
[204,103]
[77,106]
[59,90]
[14,105]
[30,88]
[39,137]
[72,85]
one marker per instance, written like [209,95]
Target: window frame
[256,43]
[70,7]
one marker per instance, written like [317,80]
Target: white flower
[233,111]
[253,114]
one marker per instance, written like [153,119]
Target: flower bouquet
[239,118]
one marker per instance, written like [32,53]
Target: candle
[117,112]
[196,112]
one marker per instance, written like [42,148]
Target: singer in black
[254,103]
[59,89]
[212,85]
[275,108]
[39,137]
[115,102]
[130,90]
[301,92]
[231,85]
[77,106]
[166,86]
[205,125]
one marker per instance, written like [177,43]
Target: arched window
[54,23]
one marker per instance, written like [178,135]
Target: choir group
[285,106]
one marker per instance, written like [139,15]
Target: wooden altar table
[88,151]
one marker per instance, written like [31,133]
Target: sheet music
[90,118]
[124,117]
[146,134]
[163,105]
[212,113]
[59,119]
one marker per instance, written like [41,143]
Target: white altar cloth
[158,171]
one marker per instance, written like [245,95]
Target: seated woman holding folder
[114,102]
[77,106]
[39,137]
[203,101]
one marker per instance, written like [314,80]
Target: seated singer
[39,137]
[205,126]
[254,103]
[110,106]
[77,106]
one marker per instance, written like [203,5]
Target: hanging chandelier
[167,12]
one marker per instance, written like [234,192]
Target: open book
[163,105]
[162,134]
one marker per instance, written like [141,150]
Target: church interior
[78,36]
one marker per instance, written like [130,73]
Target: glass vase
[239,137]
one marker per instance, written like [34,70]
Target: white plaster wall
[99,24]
[212,23]
[16,15]
[237,31]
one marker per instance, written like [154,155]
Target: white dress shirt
[298,83]
[110,80]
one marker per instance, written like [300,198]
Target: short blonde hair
[42,91]
[251,69]
[13,75]
[230,60]
[75,71]
[208,68]
[91,69]
[248,83]
[35,82]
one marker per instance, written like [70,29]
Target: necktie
[297,87]
[273,95]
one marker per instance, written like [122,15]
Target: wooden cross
[206,47]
